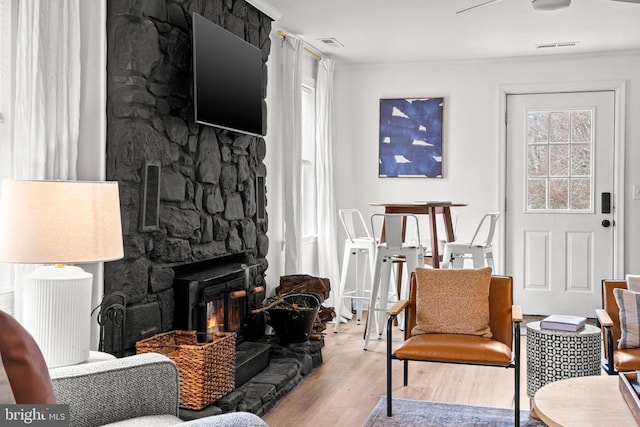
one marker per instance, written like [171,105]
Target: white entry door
[559,207]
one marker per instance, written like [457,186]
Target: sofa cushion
[23,364]
[232,419]
[464,290]
[149,420]
[629,304]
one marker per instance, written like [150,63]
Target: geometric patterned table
[556,355]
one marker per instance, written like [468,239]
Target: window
[559,163]
[309,186]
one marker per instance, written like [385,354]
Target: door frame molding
[619,88]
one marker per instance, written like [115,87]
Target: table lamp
[59,222]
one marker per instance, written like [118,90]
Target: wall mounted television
[227,79]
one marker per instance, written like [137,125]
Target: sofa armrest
[114,390]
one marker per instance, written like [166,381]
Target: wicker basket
[206,370]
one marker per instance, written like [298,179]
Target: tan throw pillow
[23,363]
[629,304]
[453,301]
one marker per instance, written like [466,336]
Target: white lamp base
[57,312]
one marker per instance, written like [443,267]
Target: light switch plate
[636,192]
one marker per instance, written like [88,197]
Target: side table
[555,355]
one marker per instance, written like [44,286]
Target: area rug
[421,413]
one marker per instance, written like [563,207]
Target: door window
[559,161]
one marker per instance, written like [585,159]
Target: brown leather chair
[609,318]
[502,350]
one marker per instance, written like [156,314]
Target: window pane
[537,194]
[581,194]
[559,126]
[308,124]
[581,126]
[309,208]
[538,160]
[581,160]
[559,160]
[309,202]
[558,193]
[538,127]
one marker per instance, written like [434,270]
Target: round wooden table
[584,401]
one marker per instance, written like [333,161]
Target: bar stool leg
[359,292]
[343,280]
[478,258]
[375,286]
[383,297]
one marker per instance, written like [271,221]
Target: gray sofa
[140,390]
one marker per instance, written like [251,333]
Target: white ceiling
[393,31]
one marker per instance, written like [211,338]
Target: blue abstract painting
[411,137]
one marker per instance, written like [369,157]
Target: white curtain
[47,94]
[327,225]
[291,134]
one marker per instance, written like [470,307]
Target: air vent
[557,44]
[331,42]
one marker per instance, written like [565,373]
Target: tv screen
[227,79]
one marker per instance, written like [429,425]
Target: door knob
[606,223]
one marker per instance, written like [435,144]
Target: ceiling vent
[331,42]
[550,5]
[557,44]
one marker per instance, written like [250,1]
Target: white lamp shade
[46,222]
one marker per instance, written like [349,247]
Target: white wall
[471,133]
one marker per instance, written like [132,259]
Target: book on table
[561,322]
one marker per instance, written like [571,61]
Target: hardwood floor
[346,387]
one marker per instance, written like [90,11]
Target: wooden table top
[419,203]
[583,401]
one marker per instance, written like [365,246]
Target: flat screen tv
[227,79]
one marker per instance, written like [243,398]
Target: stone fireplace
[188,192]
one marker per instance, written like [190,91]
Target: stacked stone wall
[207,193]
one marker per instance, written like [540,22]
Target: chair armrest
[606,324]
[603,317]
[516,313]
[114,390]
[397,308]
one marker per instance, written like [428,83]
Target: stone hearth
[288,366]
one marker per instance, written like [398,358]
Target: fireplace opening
[217,296]
[225,308]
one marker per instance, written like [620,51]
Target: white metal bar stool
[391,249]
[456,252]
[358,242]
